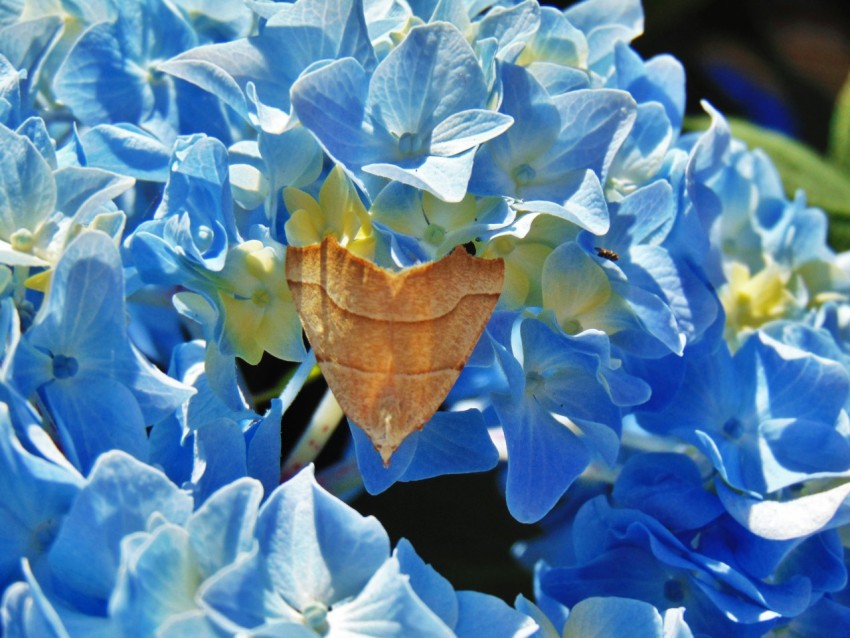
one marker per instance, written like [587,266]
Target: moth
[391,344]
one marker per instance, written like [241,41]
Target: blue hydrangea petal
[81,192]
[418,85]
[28,44]
[158,579]
[669,488]
[27,188]
[610,617]
[118,499]
[466,129]
[385,608]
[331,102]
[89,425]
[578,199]
[219,457]
[27,612]
[316,547]
[264,447]
[785,520]
[376,477]
[222,528]
[296,36]
[594,124]
[240,597]
[545,458]
[127,150]
[434,590]
[35,129]
[484,615]
[98,60]
[806,446]
[445,177]
[36,494]
[452,443]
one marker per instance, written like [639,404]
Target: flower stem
[323,424]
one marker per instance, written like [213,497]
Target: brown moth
[391,344]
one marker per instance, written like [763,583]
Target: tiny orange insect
[607,253]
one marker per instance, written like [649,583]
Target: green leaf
[839,129]
[826,186]
[839,233]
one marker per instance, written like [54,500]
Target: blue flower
[623,552]
[77,360]
[321,569]
[556,156]
[559,409]
[111,75]
[382,125]
[36,495]
[752,415]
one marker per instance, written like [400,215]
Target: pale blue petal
[223,527]
[445,177]
[386,607]
[331,102]
[100,83]
[431,75]
[317,547]
[613,617]
[35,495]
[484,615]
[121,494]
[431,588]
[263,441]
[27,188]
[158,579]
[466,129]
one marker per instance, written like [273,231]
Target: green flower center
[22,240]
[434,234]
[315,616]
[524,174]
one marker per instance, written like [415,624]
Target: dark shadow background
[779,63]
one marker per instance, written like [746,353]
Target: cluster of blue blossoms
[665,381]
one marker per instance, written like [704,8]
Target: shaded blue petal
[331,102]
[222,528]
[119,498]
[27,613]
[35,495]
[483,615]
[377,477]
[545,458]
[92,423]
[264,448]
[452,443]
[127,150]
[99,63]
[158,579]
[669,488]
[316,547]
[297,35]
[387,607]
[465,129]
[219,457]
[434,590]
[27,188]
[446,177]
[612,617]
[431,75]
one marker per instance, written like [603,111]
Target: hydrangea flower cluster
[665,382]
